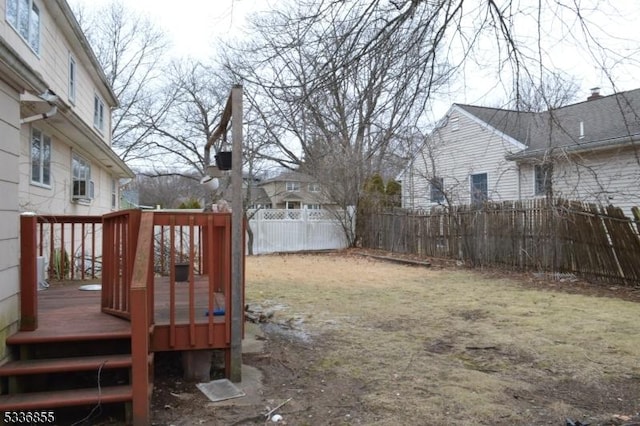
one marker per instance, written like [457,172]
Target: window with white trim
[40,158]
[313,207]
[314,187]
[81,177]
[24,17]
[72,79]
[98,113]
[293,186]
[114,194]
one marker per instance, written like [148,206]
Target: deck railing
[120,239]
[201,243]
[141,319]
[70,246]
[70,249]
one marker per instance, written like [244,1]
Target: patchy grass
[454,346]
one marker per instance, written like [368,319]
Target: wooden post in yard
[237,251]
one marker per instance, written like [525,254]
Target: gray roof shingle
[608,120]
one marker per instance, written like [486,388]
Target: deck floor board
[66,313]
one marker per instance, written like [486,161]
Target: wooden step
[61,365]
[68,398]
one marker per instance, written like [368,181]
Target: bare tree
[131,51]
[338,123]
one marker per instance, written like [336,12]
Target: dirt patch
[363,341]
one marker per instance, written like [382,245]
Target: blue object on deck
[216,312]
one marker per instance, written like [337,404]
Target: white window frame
[28,30]
[98,113]
[73,79]
[292,186]
[114,193]
[43,160]
[314,187]
[313,206]
[81,173]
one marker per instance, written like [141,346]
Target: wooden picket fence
[556,236]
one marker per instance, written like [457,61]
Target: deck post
[237,249]
[28,273]
[141,322]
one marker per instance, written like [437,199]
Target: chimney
[595,94]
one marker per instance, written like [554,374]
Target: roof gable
[511,126]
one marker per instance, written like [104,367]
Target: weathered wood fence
[547,236]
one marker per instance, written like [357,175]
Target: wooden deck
[67,313]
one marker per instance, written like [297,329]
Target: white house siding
[58,198]
[605,177]
[53,63]
[9,217]
[456,154]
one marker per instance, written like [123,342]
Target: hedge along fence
[547,236]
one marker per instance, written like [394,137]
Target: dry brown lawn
[401,345]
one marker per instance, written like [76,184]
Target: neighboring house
[585,151]
[295,190]
[55,119]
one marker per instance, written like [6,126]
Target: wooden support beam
[237,249]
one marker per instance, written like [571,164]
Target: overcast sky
[194,25]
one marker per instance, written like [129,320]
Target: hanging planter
[223,160]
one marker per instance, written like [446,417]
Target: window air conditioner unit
[41,281]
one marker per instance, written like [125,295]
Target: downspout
[53,111]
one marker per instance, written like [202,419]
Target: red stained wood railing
[202,240]
[142,318]
[119,252]
[68,246]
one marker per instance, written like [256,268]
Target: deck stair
[66,369]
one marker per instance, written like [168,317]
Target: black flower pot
[181,272]
[223,160]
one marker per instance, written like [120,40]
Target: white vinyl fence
[296,230]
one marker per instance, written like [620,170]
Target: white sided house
[55,121]
[587,151]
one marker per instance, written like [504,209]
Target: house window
[543,174]
[313,207]
[81,177]
[437,189]
[24,17]
[479,188]
[292,205]
[72,79]
[314,187]
[40,158]
[293,186]
[114,194]
[98,113]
